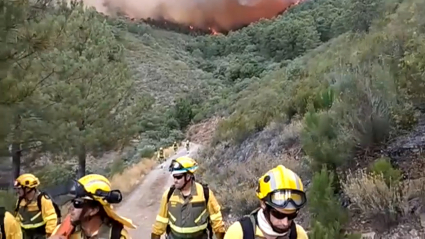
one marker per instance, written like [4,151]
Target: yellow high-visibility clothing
[12,228]
[188,217]
[37,222]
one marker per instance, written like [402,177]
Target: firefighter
[10,228]
[35,211]
[281,194]
[161,155]
[92,214]
[188,209]
[187,145]
[175,146]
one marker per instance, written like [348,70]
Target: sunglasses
[280,215]
[178,176]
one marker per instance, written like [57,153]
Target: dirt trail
[142,204]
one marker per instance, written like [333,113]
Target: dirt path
[142,204]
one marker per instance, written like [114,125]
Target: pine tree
[25,34]
[94,105]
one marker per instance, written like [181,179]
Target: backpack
[2,216]
[206,196]
[45,195]
[249,224]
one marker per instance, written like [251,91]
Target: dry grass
[378,200]
[203,132]
[132,176]
[168,152]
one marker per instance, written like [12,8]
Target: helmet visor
[176,168]
[78,190]
[286,199]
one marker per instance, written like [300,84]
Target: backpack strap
[18,203]
[170,193]
[248,227]
[206,192]
[116,230]
[293,232]
[207,198]
[249,224]
[40,195]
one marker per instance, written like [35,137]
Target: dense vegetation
[351,72]
[335,78]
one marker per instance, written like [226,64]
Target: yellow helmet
[183,165]
[27,180]
[281,188]
[97,187]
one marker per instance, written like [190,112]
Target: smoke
[217,14]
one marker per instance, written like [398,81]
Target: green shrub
[8,199]
[328,217]
[147,151]
[383,167]
[322,141]
[116,167]
[54,175]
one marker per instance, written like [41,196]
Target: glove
[219,235]
[154,236]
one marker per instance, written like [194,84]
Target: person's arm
[12,228]
[161,222]
[234,231]
[49,215]
[216,218]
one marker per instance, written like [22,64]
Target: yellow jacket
[196,215]
[30,215]
[103,232]
[12,228]
[235,232]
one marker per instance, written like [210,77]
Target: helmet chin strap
[186,181]
[27,192]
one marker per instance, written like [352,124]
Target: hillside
[332,89]
[328,89]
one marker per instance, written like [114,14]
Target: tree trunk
[82,162]
[82,153]
[16,148]
[16,160]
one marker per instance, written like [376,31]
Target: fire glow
[213,15]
